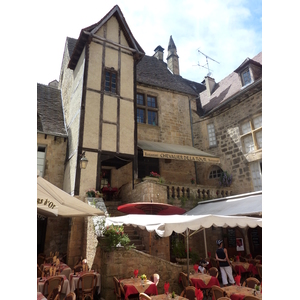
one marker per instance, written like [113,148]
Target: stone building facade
[115,102]
[234,111]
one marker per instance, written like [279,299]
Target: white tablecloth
[65,289]
[74,280]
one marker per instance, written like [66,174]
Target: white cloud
[223,30]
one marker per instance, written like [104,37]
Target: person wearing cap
[224,264]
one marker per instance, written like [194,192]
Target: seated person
[202,264]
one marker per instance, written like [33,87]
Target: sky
[225,31]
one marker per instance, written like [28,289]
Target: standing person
[224,263]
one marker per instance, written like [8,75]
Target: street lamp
[83,161]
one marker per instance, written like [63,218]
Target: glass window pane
[152,117]
[248,143]
[246,127]
[246,77]
[258,137]
[151,101]
[211,135]
[140,115]
[140,99]
[257,122]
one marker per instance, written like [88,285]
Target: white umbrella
[165,225]
[52,201]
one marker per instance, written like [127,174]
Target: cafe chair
[213,271]
[250,297]
[86,286]
[250,282]
[155,278]
[217,292]
[70,296]
[78,268]
[118,292]
[259,257]
[53,286]
[184,280]
[189,292]
[259,270]
[144,296]
[55,294]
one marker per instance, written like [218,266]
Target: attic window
[246,77]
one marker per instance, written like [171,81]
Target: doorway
[41,233]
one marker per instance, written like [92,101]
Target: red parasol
[151,208]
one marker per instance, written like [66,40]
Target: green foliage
[180,251]
[116,237]
[183,200]
[114,234]
[92,193]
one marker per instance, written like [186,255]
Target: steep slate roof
[152,71]
[89,31]
[71,44]
[227,87]
[50,118]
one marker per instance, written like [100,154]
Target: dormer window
[246,77]
[249,71]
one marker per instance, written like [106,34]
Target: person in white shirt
[202,264]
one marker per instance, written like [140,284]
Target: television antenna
[206,66]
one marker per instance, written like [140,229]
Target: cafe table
[137,285]
[169,297]
[74,281]
[203,281]
[40,296]
[242,267]
[65,289]
[236,292]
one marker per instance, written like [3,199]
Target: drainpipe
[191,122]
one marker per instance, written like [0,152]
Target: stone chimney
[159,53]
[172,59]
[210,84]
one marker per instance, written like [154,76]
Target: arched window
[215,172]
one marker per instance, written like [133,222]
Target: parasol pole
[187,253]
[150,243]
[205,245]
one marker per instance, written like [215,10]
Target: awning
[52,201]
[178,152]
[249,204]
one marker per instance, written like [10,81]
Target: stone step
[134,238]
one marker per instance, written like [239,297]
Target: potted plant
[112,236]
[225,179]
[92,193]
[180,252]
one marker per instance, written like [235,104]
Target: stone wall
[56,148]
[121,264]
[56,235]
[229,147]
